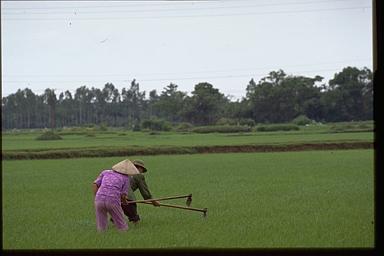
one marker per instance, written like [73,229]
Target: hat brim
[145,169]
[126,167]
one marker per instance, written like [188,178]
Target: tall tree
[99,105]
[9,112]
[206,104]
[66,109]
[152,102]
[133,99]
[83,99]
[171,103]
[50,99]
[349,95]
[280,98]
[111,99]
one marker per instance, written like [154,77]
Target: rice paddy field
[27,141]
[321,199]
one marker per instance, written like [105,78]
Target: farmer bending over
[110,188]
[137,182]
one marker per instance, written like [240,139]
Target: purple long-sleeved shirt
[111,186]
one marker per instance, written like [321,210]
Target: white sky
[67,44]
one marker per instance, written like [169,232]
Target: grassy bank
[169,150]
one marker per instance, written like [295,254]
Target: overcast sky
[67,44]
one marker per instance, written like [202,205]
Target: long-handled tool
[204,210]
[188,202]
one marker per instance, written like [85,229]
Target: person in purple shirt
[110,188]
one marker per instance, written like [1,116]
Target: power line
[200,72]
[191,16]
[180,9]
[95,6]
[162,4]
[159,79]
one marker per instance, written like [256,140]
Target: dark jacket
[138,182]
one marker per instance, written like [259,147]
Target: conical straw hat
[126,167]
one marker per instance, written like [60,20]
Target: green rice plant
[312,199]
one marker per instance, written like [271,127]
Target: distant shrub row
[277,127]
[352,127]
[49,135]
[221,129]
[222,126]
[156,125]
[238,122]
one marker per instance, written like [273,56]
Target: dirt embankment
[76,153]
[288,147]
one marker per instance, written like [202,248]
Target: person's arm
[97,183]
[94,188]
[144,190]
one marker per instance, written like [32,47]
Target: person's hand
[124,199]
[156,203]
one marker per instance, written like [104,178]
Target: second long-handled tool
[188,202]
[204,210]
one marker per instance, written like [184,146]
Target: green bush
[136,127]
[301,120]
[184,127]
[88,125]
[239,122]
[277,127]
[226,121]
[103,127]
[221,129]
[49,135]
[156,124]
[247,121]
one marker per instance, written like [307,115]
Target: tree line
[276,98]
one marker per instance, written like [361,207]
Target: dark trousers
[130,210]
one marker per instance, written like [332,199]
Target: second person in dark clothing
[137,182]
